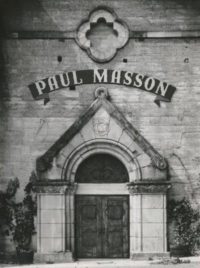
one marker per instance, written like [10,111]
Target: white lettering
[76,82]
[116,75]
[64,79]
[149,83]
[100,77]
[138,82]
[128,78]
[40,85]
[162,88]
[53,84]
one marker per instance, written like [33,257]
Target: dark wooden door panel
[115,219]
[102,226]
[88,224]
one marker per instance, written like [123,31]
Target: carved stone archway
[86,149]
[72,163]
[101,129]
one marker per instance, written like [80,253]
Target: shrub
[23,224]
[7,206]
[186,222]
[17,219]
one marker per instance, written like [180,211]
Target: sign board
[164,91]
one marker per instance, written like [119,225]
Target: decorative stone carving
[72,189]
[118,27]
[101,123]
[101,92]
[55,187]
[142,187]
[51,189]
[158,160]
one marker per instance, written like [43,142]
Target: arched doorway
[60,190]
[101,220]
[101,168]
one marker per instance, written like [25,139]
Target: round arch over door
[101,168]
[100,146]
[146,188]
[102,219]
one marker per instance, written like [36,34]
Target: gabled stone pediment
[103,122]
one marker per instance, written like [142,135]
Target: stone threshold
[99,263]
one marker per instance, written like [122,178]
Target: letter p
[40,85]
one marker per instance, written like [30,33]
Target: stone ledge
[59,187]
[58,257]
[148,186]
[148,255]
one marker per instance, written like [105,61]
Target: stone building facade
[107,154]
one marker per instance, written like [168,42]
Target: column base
[148,255]
[57,257]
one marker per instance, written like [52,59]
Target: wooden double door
[102,226]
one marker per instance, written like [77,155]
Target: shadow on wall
[19,15]
[15,15]
[182,185]
[194,5]
[3,85]
[183,188]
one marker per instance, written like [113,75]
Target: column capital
[56,187]
[71,190]
[148,186]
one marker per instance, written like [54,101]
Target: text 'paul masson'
[101,76]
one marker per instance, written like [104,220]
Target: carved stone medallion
[101,123]
[103,50]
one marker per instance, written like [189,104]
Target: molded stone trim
[100,146]
[57,187]
[108,15]
[148,186]
[45,161]
[157,160]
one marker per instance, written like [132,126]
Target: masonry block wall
[28,127]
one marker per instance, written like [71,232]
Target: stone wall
[28,128]
[64,15]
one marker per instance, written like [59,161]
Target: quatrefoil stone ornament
[119,28]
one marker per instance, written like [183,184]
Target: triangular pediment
[102,120]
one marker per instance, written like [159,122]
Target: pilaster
[148,218]
[52,221]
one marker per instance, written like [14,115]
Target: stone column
[51,223]
[69,201]
[136,223]
[148,218]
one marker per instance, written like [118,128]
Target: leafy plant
[18,218]
[23,227]
[186,222]
[7,205]
[23,224]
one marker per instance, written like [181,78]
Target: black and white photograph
[99,133]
